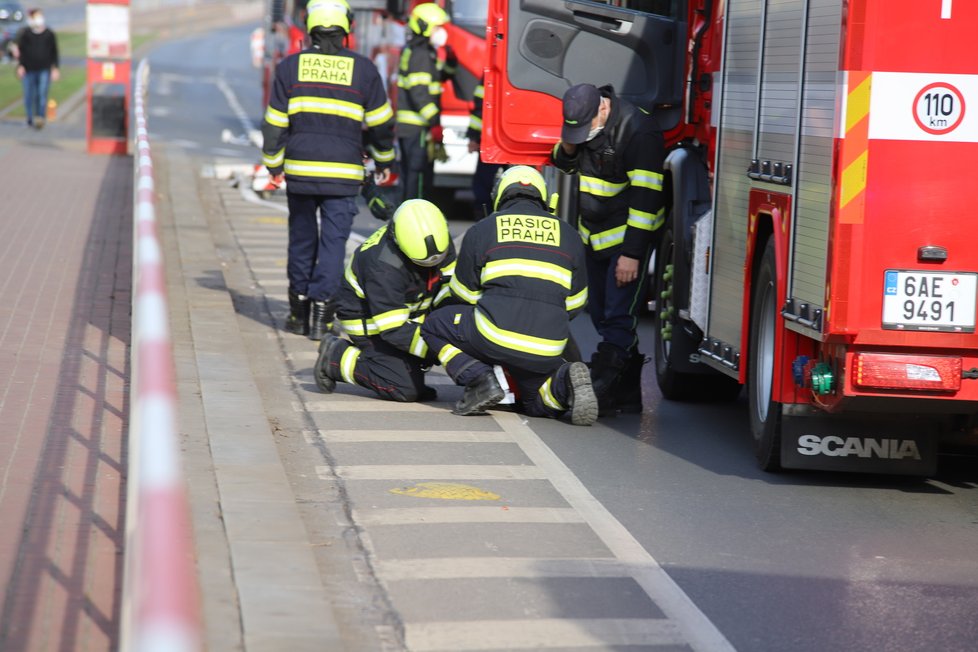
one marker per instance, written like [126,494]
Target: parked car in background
[12,19]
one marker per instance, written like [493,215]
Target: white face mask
[438,38]
[36,22]
[591,135]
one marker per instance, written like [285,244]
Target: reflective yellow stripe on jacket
[274,160]
[462,292]
[527,268]
[326,106]
[323,170]
[603,239]
[600,187]
[276,118]
[518,341]
[411,118]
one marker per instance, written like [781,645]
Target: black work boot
[583,402]
[327,369]
[298,319]
[428,394]
[481,393]
[607,364]
[321,320]
[628,398]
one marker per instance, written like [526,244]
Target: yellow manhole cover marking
[270,220]
[445,491]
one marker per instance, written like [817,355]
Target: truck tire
[670,338]
[675,349]
[765,413]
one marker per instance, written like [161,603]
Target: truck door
[539,48]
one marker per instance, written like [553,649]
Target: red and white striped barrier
[161,600]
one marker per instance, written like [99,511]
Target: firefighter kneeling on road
[522,276]
[392,281]
[314,132]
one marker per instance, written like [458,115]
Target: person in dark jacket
[36,50]
[484,177]
[519,280]
[617,148]
[391,283]
[419,86]
[313,131]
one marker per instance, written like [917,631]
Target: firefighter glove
[437,134]
[436,152]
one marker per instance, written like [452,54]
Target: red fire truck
[379,34]
[820,181]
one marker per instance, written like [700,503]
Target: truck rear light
[908,372]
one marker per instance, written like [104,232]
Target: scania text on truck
[819,244]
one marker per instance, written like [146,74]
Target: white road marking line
[433,472]
[365,405]
[494,514]
[447,568]
[254,136]
[542,633]
[700,633]
[452,436]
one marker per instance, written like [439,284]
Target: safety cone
[52,110]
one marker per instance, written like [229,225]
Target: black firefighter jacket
[621,207]
[524,271]
[313,125]
[385,295]
[419,87]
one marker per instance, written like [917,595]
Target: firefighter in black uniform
[485,173]
[392,281]
[313,130]
[520,278]
[618,150]
[419,86]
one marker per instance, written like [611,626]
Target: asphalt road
[801,561]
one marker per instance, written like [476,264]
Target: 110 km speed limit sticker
[939,108]
[929,107]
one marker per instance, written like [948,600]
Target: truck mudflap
[872,443]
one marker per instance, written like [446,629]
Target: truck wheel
[674,345]
[765,414]
[670,338]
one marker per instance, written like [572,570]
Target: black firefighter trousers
[542,386]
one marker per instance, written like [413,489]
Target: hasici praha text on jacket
[620,201]
[313,127]
[524,271]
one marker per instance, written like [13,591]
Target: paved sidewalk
[65,269]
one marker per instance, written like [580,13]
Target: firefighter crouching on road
[521,276]
[313,130]
[618,150]
[419,86]
[392,281]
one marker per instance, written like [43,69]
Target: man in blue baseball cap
[617,148]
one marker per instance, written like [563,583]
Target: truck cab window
[670,8]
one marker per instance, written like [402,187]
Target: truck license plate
[929,301]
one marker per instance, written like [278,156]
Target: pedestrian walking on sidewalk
[391,283]
[36,50]
[519,279]
[313,132]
